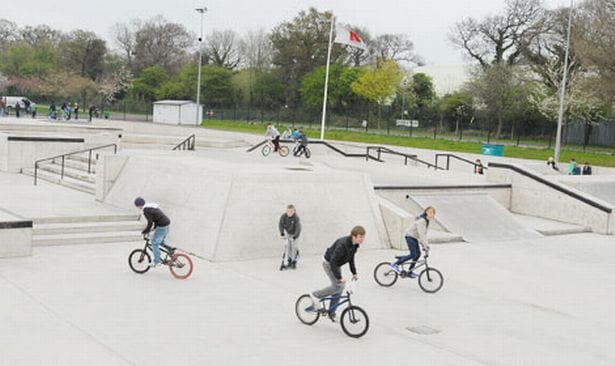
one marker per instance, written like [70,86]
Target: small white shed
[176,112]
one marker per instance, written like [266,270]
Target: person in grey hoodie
[290,229]
[416,234]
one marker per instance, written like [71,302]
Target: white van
[11,101]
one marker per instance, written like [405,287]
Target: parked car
[11,101]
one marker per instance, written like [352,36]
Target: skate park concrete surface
[537,292]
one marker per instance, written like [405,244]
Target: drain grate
[423,330]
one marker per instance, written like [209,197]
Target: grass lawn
[537,153]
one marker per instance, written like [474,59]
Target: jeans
[415,253]
[335,289]
[291,248]
[160,234]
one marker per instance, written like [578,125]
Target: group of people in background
[298,137]
[573,167]
[66,111]
[28,108]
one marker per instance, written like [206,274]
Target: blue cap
[139,201]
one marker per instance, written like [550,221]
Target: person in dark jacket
[587,169]
[157,220]
[290,229]
[303,141]
[338,254]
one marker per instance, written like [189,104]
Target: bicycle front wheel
[304,308]
[266,150]
[283,150]
[355,322]
[139,260]
[384,275]
[307,153]
[431,280]
[180,266]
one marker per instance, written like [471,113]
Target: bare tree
[500,38]
[396,47]
[255,50]
[124,37]
[159,42]
[222,49]
[41,34]
[8,32]
[595,40]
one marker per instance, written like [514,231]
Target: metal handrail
[386,150]
[558,187]
[63,156]
[448,161]
[337,150]
[187,144]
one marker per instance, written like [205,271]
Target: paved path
[544,302]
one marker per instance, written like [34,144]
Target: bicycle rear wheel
[431,280]
[180,266]
[355,321]
[266,150]
[304,308]
[139,260]
[384,275]
[283,150]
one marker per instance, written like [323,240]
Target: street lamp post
[562,92]
[198,82]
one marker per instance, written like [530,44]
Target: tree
[216,85]
[154,42]
[455,106]
[379,84]
[255,50]
[41,34]
[83,53]
[146,85]
[501,38]
[116,86]
[340,94]
[269,91]
[20,59]
[222,49]
[300,46]
[595,40]
[496,86]
[396,47]
[8,33]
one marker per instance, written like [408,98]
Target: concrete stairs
[76,174]
[79,230]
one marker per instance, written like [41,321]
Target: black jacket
[291,225]
[340,253]
[154,216]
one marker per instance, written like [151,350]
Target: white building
[446,78]
[177,112]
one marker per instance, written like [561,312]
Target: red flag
[344,35]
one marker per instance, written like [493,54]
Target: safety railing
[64,156]
[385,150]
[448,161]
[187,144]
[367,156]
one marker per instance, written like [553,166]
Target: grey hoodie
[418,230]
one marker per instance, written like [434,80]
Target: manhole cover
[423,330]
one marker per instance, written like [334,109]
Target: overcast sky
[426,22]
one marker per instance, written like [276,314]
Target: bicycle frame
[418,264]
[163,248]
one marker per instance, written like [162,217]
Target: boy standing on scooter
[290,229]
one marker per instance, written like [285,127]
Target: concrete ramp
[476,217]
[230,211]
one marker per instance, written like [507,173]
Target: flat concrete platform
[535,302]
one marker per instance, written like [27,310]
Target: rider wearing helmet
[157,220]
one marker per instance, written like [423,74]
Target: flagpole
[324,102]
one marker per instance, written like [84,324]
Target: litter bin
[106,114]
[492,149]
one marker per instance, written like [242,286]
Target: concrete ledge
[15,238]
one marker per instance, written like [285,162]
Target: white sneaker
[316,302]
[153,264]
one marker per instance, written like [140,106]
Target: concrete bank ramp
[230,210]
[476,217]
